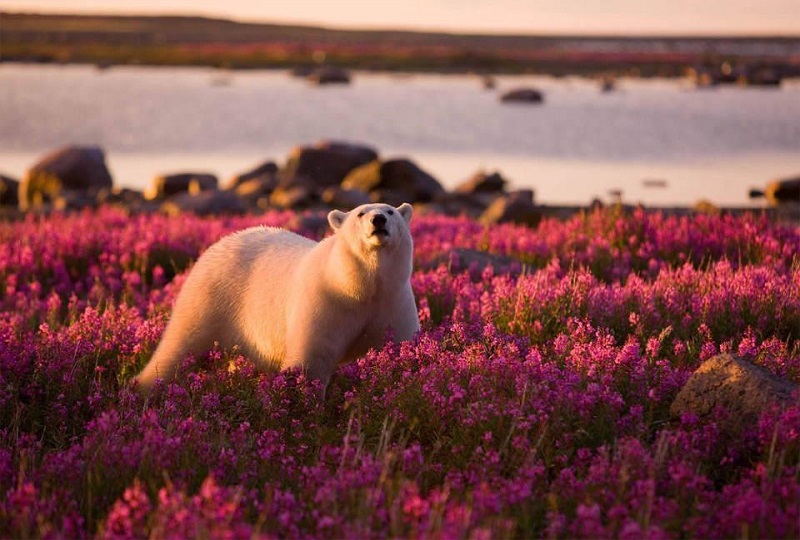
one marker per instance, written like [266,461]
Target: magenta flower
[534,402]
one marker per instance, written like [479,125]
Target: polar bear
[288,301]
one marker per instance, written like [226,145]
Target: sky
[638,17]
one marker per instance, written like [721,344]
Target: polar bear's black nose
[379,220]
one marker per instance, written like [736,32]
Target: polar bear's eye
[361,214]
[390,212]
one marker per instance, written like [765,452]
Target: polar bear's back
[258,246]
[240,285]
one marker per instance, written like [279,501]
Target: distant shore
[194,41]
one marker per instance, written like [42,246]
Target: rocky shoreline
[321,176]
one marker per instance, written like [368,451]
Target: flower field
[533,403]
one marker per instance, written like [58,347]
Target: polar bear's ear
[406,210]
[336,219]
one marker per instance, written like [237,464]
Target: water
[706,144]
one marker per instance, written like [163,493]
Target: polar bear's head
[373,226]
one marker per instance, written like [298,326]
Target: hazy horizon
[613,17]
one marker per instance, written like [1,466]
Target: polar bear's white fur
[288,301]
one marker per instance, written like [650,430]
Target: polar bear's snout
[379,225]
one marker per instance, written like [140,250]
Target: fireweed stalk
[532,404]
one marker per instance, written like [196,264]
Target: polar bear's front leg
[316,341]
[404,321]
[318,360]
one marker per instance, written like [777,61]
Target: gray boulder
[523,95]
[75,200]
[267,172]
[457,204]
[309,223]
[204,203]
[389,196]
[783,191]
[254,188]
[291,197]
[9,190]
[256,193]
[329,75]
[515,207]
[123,197]
[394,181]
[481,182]
[344,199]
[324,164]
[71,172]
[740,387]
[167,185]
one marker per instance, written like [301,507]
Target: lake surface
[580,144]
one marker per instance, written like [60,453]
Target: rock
[704,206]
[474,261]
[742,388]
[145,206]
[365,178]
[73,200]
[329,75]
[783,191]
[762,76]
[710,76]
[122,196]
[309,223]
[9,189]
[256,192]
[344,199]
[396,180]
[515,207]
[324,164]
[266,172]
[608,84]
[291,197]
[172,184]
[389,196]
[655,183]
[522,95]
[131,200]
[76,169]
[204,203]
[470,204]
[481,182]
[255,189]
